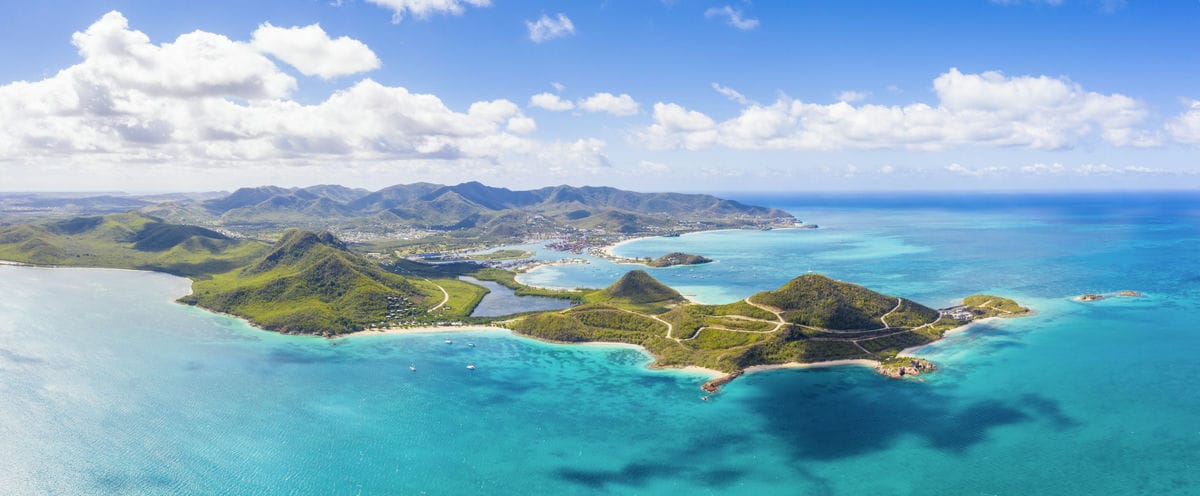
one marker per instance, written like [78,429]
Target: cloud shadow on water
[864,414]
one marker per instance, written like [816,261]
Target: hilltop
[810,319]
[310,283]
[637,287]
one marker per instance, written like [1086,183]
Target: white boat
[471,345]
[412,367]
[449,341]
[471,366]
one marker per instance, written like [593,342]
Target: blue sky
[1032,94]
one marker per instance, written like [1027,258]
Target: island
[678,258]
[300,281]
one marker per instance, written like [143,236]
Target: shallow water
[110,387]
[502,301]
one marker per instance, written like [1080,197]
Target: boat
[471,345]
[471,366]
[449,341]
[412,367]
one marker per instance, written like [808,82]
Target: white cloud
[1044,169]
[731,94]
[988,109]
[550,101]
[558,87]
[206,101]
[1185,128]
[547,28]
[675,126]
[980,171]
[423,9]
[195,64]
[732,16]
[620,105]
[850,96]
[312,52]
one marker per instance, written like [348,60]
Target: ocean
[109,387]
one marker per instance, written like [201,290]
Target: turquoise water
[109,387]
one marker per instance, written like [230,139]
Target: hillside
[128,240]
[309,283]
[810,319]
[637,287]
[817,301]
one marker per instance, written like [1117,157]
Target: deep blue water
[109,387]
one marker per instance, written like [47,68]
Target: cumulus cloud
[423,9]
[205,100]
[312,52]
[547,28]
[733,17]
[550,101]
[619,105]
[1185,128]
[988,109]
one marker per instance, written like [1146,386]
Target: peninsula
[811,319]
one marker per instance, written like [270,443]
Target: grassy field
[502,255]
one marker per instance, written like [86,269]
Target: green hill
[837,321]
[637,287]
[817,301]
[309,283]
[129,240]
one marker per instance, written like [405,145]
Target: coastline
[858,362]
[608,250]
[517,275]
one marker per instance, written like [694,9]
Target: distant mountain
[477,208]
[310,283]
[129,240]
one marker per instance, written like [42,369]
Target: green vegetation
[130,241]
[818,301]
[502,255]
[993,306]
[310,283]
[464,297]
[313,283]
[677,258]
[810,319]
[637,290]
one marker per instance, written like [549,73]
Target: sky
[671,95]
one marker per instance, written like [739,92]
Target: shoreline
[517,275]
[858,362]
